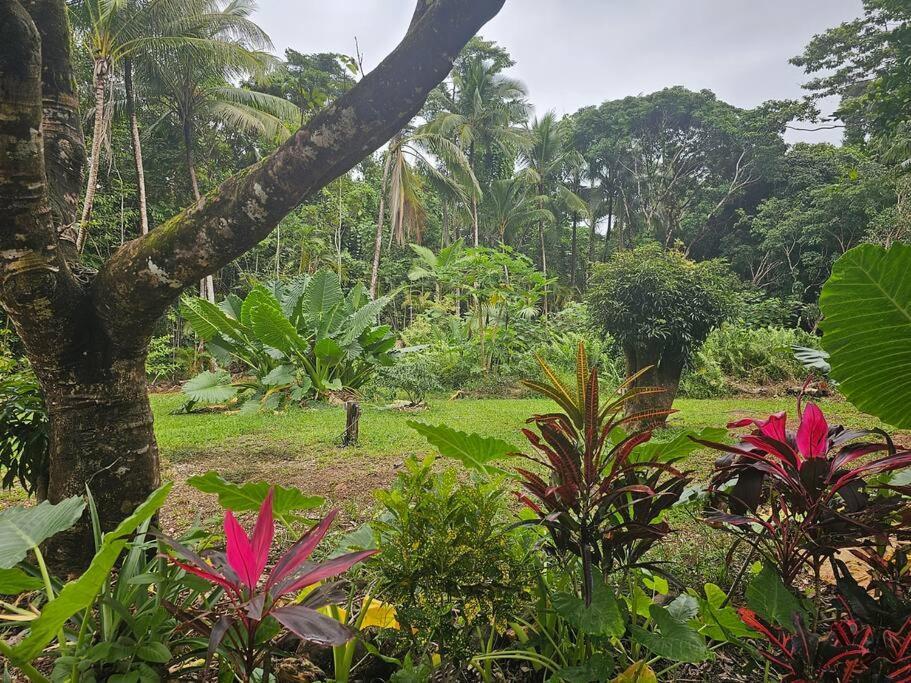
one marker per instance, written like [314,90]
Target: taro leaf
[14,581]
[250,496]
[598,668]
[258,296]
[472,450]
[866,304]
[273,329]
[721,622]
[157,653]
[770,599]
[322,294]
[812,359]
[210,387]
[79,594]
[209,320]
[684,607]
[674,640]
[677,448]
[279,377]
[311,626]
[637,672]
[22,529]
[602,618]
[363,318]
[328,350]
[361,538]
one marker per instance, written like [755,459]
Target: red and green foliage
[599,502]
[799,497]
[242,625]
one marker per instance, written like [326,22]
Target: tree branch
[36,287]
[64,147]
[146,275]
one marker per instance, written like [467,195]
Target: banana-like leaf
[866,305]
[472,450]
[250,496]
[210,387]
[79,594]
[322,294]
[273,329]
[22,529]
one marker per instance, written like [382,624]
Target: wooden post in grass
[352,422]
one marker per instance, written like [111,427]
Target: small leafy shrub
[448,561]
[243,624]
[413,376]
[291,342]
[162,362]
[24,433]
[736,354]
[799,497]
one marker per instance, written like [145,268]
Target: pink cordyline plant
[253,599]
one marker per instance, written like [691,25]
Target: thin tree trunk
[543,262]
[207,284]
[378,237]
[101,73]
[474,220]
[137,145]
[574,258]
[610,225]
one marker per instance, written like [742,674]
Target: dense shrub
[734,355]
[448,560]
[659,306]
[414,376]
[24,434]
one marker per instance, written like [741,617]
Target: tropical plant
[449,561]
[601,502]
[241,625]
[659,306]
[797,498]
[295,341]
[866,299]
[23,434]
[413,376]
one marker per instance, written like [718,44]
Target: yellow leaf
[381,615]
[638,672]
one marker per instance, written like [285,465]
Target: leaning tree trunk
[101,73]
[665,367]
[137,146]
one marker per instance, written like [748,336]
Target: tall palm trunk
[207,284]
[101,73]
[610,225]
[474,220]
[378,238]
[575,251]
[543,262]
[137,145]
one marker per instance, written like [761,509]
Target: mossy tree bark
[87,333]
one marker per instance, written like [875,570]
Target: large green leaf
[209,320]
[250,496]
[22,529]
[273,329]
[210,387]
[79,594]
[279,376]
[677,448]
[770,599]
[14,581]
[673,640]
[322,294]
[258,296]
[866,305]
[720,621]
[602,618]
[472,450]
[363,318]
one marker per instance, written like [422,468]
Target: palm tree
[193,82]
[411,157]
[480,113]
[510,208]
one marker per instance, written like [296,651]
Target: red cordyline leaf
[813,433]
[300,552]
[248,556]
[775,427]
[322,571]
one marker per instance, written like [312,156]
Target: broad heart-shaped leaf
[14,581]
[363,318]
[322,294]
[472,450]
[674,640]
[22,529]
[719,621]
[866,305]
[677,448]
[770,599]
[273,329]
[602,618]
[598,668]
[258,296]
[328,351]
[210,387]
[279,377]
[250,496]
[79,594]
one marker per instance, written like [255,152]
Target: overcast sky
[573,53]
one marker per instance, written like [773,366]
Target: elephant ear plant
[296,341]
[600,502]
[243,624]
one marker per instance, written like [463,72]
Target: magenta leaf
[300,552]
[813,433]
[240,552]
[323,571]
[309,625]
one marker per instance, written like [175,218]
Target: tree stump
[352,423]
